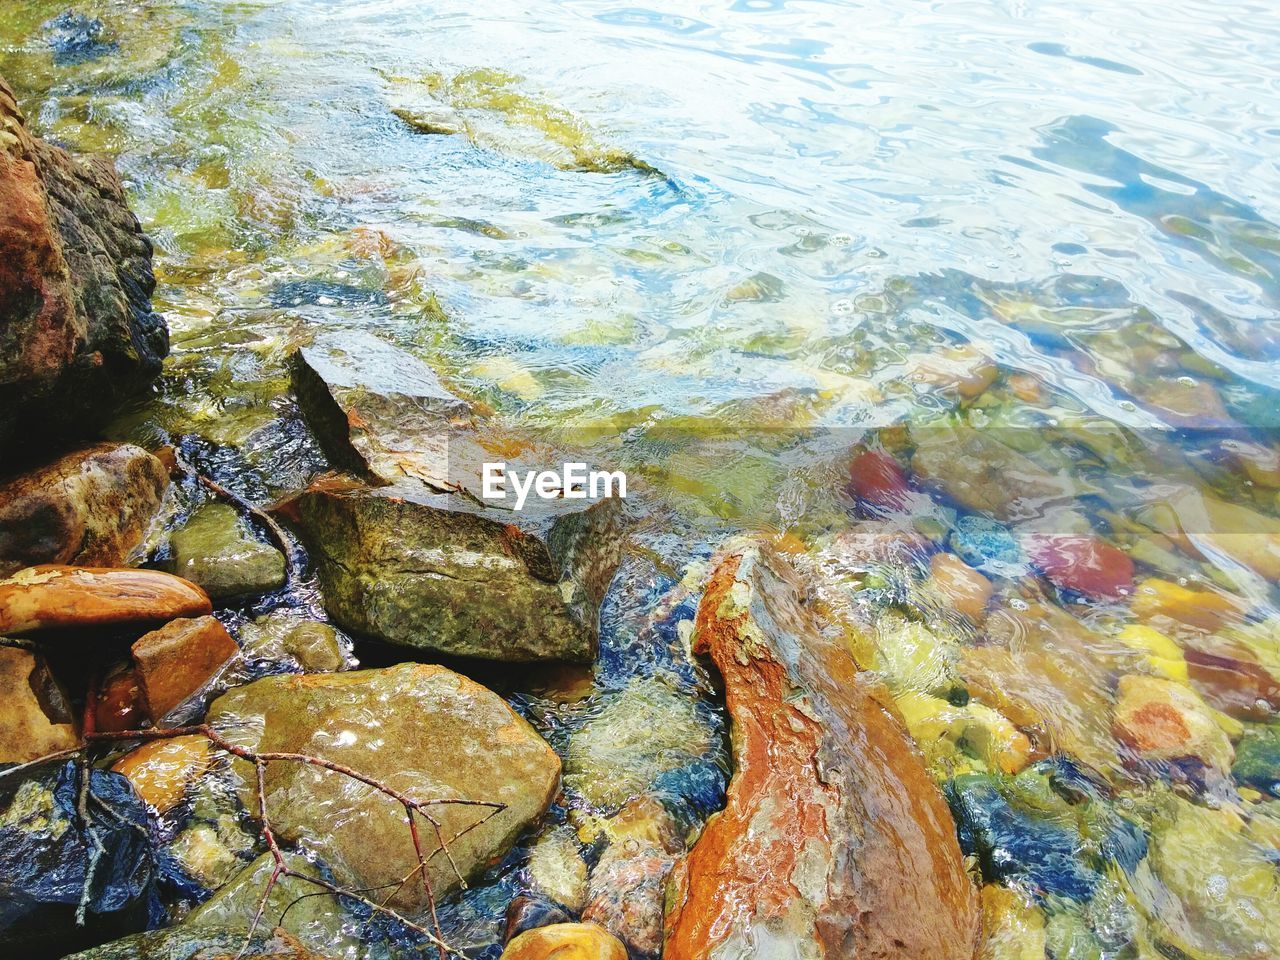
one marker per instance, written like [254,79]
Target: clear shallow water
[721,245]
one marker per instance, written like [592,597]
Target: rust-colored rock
[77,332]
[565,941]
[834,842]
[89,508]
[961,586]
[35,717]
[53,596]
[178,659]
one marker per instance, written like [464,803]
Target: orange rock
[565,941]
[43,597]
[1231,679]
[35,716]
[178,659]
[162,770]
[834,841]
[120,705]
[963,587]
[1025,387]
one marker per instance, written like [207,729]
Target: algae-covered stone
[1258,759]
[419,728]
[282,636]
[213,549]
[557,870]
[643,732]
[1224,883]
[439,572]
[90,507]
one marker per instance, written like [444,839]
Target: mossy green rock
[439,572]
[643,732]
[214,550]
[418,728]
[1258,759]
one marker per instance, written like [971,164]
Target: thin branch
[281,869]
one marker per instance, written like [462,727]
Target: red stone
[876,478]
[1084,564]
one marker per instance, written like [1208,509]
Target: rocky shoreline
[380,717]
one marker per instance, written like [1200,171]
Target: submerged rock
[35,714]
[215,551]
[178,659]
[645,731]
[438,572]
[162,770]
[378,411]
[565,941]
[282,637]
[88,508]
[79,332]
[1162,720]
[45,597]
[1257,761]
[45,853]
[834,841]
[419,728]
[1223,882]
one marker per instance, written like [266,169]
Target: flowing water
[723,244]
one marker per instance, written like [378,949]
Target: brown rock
[89,508]
[120,705]
[962,587]
[35,717]
[77,332]
[834,841]
[565,941]
[625,895]
[178,659]
[50,596]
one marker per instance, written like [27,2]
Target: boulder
[35,714]
[51,596]
[77,331]
[419,728]
[377,411]
[834,840]
[565,941]
[440,572]
[88,508]
[45,852]
[214,550]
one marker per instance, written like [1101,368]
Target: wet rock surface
[44,597]
[378,411]
[35,715]
[833,840]
[437,572]
[46,853]
[172,663]
[79,333]
[421,729]
[215,551]
[565,941]
[90,508]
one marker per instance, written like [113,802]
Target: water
[722,244]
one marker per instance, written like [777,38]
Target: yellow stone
[566,941]
[1164,656]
